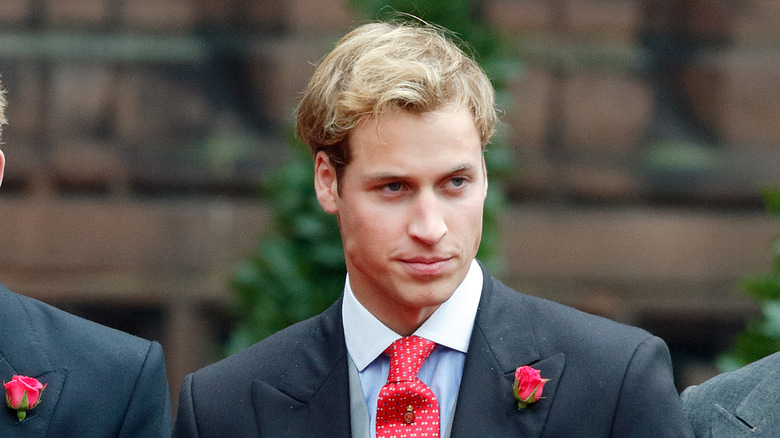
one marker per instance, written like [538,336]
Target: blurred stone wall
[640,132]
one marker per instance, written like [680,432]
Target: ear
[2,166]
[484,172]
[326,183]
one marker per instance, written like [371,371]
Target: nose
[427,223]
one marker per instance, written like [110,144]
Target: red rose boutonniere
[528,386]
[22,394]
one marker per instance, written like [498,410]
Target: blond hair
[379,67]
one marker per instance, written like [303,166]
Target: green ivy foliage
[297,269]
[761,336]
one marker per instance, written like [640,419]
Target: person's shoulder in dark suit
[623,374]
[101,382]
[743,402]
[208,398]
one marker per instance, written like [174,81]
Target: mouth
[427,266]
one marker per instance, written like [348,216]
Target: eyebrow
[381,175]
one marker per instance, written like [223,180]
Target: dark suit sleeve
[149,411]
[648,404]
[185,426]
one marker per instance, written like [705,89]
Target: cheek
[469,224]
[366,227]
[367,243]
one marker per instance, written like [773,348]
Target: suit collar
[503,339]
[316,403]
[22,353]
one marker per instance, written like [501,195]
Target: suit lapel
[502,340]
[317,402]
[21,353]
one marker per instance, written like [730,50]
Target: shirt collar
[450,325]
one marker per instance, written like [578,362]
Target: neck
[410,323]
[404,320]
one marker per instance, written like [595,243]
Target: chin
[431,295]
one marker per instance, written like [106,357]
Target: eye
[458,181]
[394,187]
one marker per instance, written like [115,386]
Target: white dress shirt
[449,326]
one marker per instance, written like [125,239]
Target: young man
[99,382]
[740,403]
[397,119]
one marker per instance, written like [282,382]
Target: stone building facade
[640,131]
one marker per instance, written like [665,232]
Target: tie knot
[407,356]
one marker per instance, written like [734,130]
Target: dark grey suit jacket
[607,379]
[100,382]
[741,403]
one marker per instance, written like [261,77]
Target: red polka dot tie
[406,406]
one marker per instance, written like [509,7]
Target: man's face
[409,209]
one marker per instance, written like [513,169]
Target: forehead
[399,129]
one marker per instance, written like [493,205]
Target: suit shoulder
[554,314]
[91,355]
[81,338]
[280,354]
[727,388]
[749,389]
[566,329]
